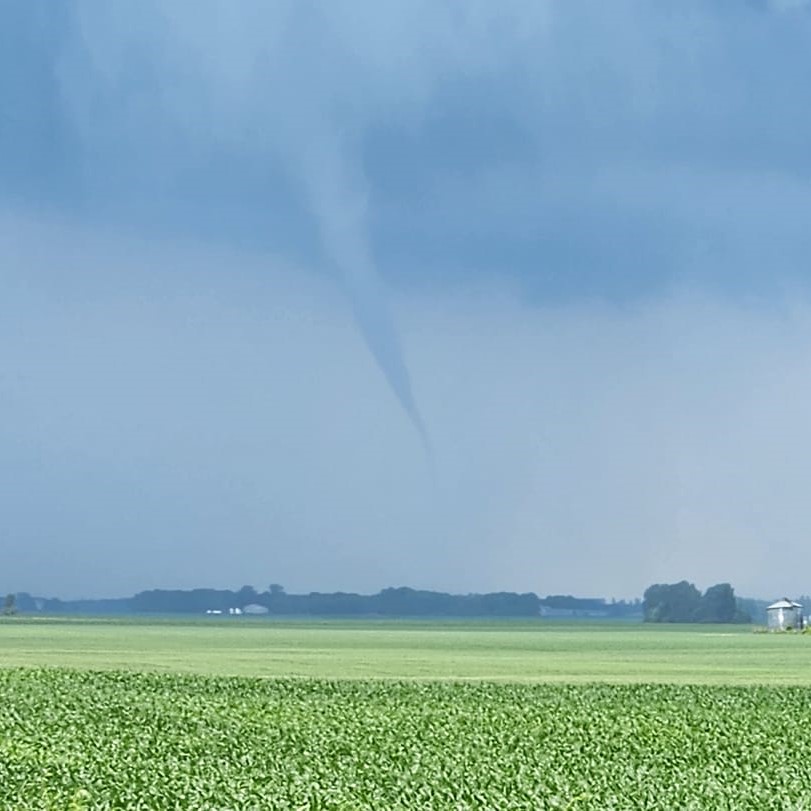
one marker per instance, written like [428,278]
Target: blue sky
[248,248]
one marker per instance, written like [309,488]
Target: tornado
[339,200]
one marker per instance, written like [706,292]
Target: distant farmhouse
[785,615]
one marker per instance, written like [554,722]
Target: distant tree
[717,604]
[567,601]
[276,590]
[10,605]
[246,595]
[683,602]
[751,610]
[671,602]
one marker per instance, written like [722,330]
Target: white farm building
[784,615]
[254,608]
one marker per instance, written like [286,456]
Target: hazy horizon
[414,293]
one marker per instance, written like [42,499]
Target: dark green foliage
[10,605]
[567,601]
[752,610]
[677,602]
[683,602]
[717,604]
[117,740]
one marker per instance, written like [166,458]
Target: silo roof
[784,603]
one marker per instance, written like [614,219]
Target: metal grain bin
[784,615]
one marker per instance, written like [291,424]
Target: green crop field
[75,739]
[496,651]
[352,715]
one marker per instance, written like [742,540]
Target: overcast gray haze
[458,295]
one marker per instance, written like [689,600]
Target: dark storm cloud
[592,220]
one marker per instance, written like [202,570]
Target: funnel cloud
[340,205]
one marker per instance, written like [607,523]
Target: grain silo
[784,615]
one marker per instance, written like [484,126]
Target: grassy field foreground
[74,739]
[505,651]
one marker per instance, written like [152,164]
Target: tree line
[389,602]
[662,602]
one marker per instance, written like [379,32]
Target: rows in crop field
[126,740]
